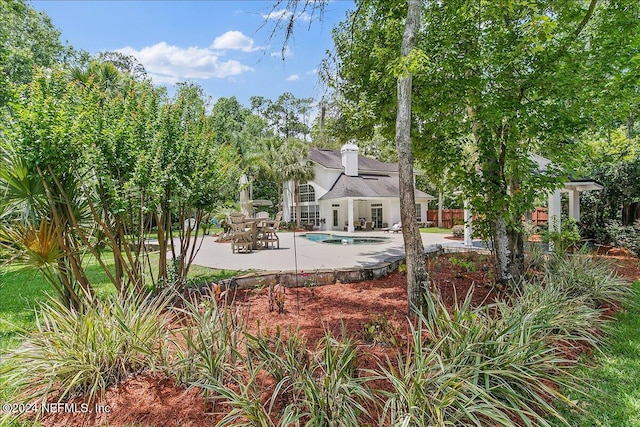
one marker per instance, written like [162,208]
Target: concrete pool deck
[299,253]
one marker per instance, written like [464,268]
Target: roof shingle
[332,159]
[366,186]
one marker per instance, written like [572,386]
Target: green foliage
[284,117]
[618,170]
[213,335]
[506,356]
[84,352]
[319,389]
[466,265]
[627,237]
[28,40]
[563,237]
[612,376]
[561,317]
[511,79]
[466,367]
[588,278]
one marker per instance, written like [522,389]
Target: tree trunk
[508,246]
[440,203]
[502,250]
[417,277]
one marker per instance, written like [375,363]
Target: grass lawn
[436,230]
[21,290]
[613,376]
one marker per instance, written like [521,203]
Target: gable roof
[367,186]
[332,159]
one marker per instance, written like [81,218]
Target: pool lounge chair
[397,227]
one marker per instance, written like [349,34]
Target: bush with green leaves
[319,388]
[457,231]
[555,313]
[627,237]
[564,236]
[212,336]
[469,366]
[82,352]
[587,277]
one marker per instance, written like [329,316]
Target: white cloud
[293,78]
[284,14]
[278,15]
[312,72]
[288,52]
[169,64]
[234,40]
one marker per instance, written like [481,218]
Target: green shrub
[85,351]
[457,231]
[556,316]
[469,366]
[589,278]
[212,334]
[427,390]
[380,330]
[466,266]
[320,388]
[627,237]
[331,392]
[562,239]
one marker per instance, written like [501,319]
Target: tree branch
[587,17]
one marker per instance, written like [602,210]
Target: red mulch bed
[148,400]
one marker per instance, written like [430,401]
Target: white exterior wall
[322,183]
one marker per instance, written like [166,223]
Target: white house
[348,191]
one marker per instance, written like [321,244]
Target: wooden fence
[451,217]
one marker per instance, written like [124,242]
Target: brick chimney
[349,153]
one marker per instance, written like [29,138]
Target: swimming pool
[336,239]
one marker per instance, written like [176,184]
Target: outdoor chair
[397,227]
[368,226]
[236,217]
[241,238]
[269,234]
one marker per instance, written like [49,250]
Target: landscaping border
[321,277]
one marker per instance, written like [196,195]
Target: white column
[287,201]
[350,227]
[574,204]
[468,227]
[555,213]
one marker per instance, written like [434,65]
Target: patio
[309,255]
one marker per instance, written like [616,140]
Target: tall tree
[190,173]
[404,18]
[27,39]
[296,167]
[287,116]
[417,276]
[498,81]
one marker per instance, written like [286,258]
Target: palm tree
[267,156]
[296,168]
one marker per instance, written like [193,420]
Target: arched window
[307,193]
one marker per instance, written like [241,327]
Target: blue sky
[225,46]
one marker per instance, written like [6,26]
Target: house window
[308,213]
[307,193]
[376,214]
[419,212]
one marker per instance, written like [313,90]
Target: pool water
[336,239]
